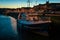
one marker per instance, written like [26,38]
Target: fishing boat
[35,24]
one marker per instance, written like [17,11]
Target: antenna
[28,3]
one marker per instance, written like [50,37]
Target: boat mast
[28,3]
[36,2]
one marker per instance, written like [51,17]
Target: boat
[36,26]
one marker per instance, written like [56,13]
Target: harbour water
[32,31]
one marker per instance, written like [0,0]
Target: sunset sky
[22,3]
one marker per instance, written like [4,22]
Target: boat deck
[33,22]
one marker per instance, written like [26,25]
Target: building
[48,7]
